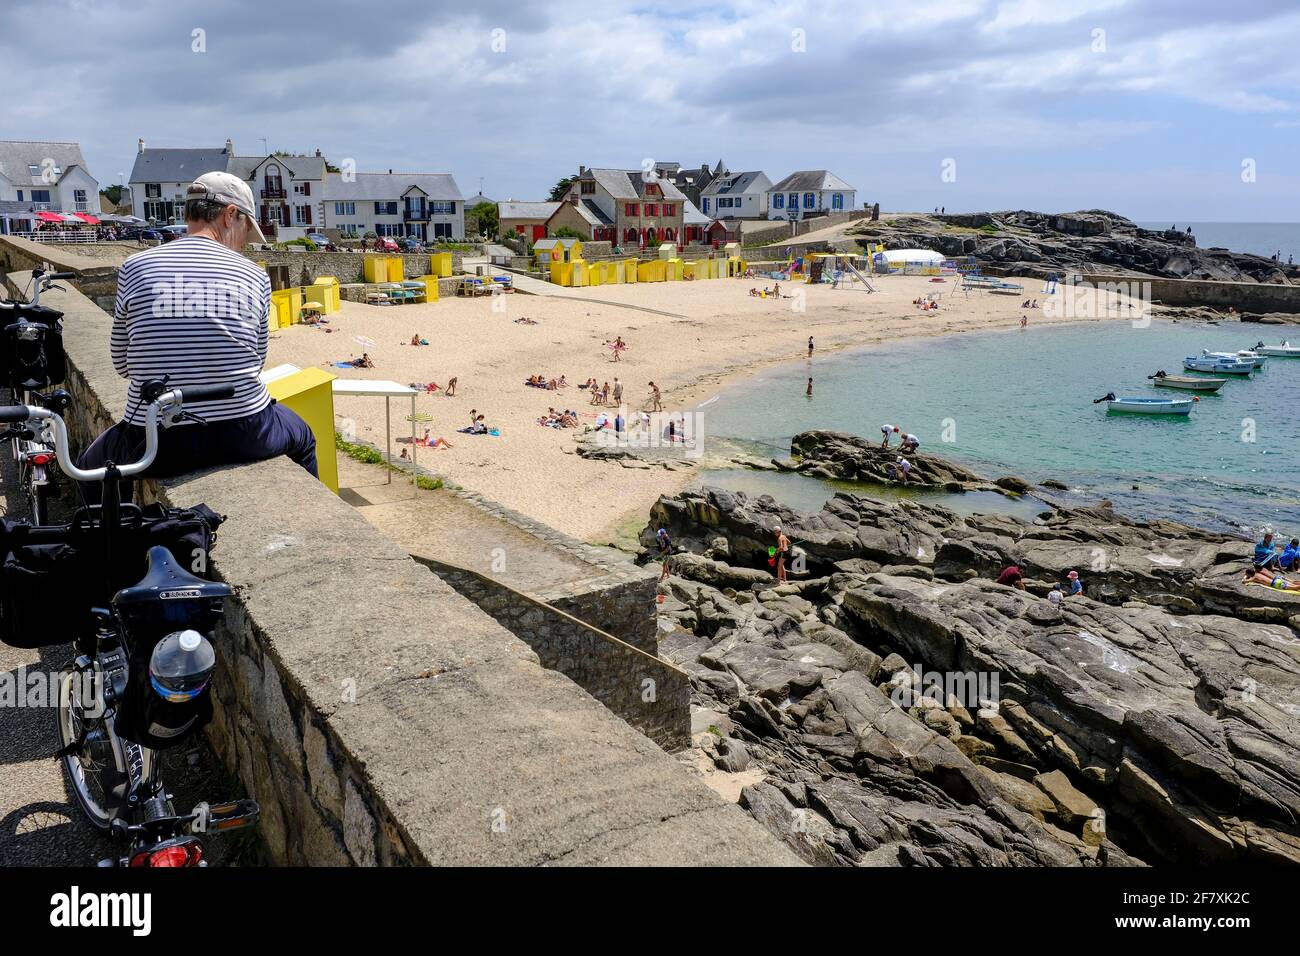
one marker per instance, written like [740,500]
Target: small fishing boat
[1218,366]
[1147,406]
[1245,355]
[1188,383]
[1284,350]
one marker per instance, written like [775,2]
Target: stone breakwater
[901,708]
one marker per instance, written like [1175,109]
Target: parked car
[148,235]
[387,244]
[172,232]
[321,241]
[412,244]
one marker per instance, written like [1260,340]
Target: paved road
[40,823]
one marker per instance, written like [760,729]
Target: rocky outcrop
[1035,243]
[906,710]
[838,455]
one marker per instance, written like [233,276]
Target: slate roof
[628,184]
[177,165]
[691,216]
[17,155]
[735,184]
[810,180]
[526,210]
[390,186]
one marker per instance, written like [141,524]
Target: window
[706,205]
[388,229]
[651,209]
[669,235]
[588,188]
[794,200]
[20,195]
[778,200]
[345,209]
[40,195]
[442,207]
[346,228]
[631,209]
[79,198]
[630,235]
[670,209]
[302,189]
[809,200]
[302,215]
[837,201]
[153,190]
[651,189]
[386,209]
[442,230]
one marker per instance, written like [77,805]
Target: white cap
[229,190]
[190,640]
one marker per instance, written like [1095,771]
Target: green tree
[486,214]
[564,232]
[112,193]
[561,189]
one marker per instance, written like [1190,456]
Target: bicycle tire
[104,761]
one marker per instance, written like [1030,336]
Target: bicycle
[32,359]
[114,711]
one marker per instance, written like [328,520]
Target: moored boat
[1218,366]
[1282,350]
[1245,355]
[1188,383]
[1143,405]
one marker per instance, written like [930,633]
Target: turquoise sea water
[1021,403]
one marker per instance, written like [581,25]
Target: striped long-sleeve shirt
[196,311]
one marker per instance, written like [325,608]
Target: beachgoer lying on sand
[1270,580]
[313,318]
[363,362]
[525,320]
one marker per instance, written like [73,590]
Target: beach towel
[343,365]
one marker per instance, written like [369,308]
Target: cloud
[520,95]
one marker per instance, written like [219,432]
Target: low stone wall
[381,718]
[96,279]
[1243,296]
[306,267]
[650,694]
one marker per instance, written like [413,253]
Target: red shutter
[308,217]
[306,189]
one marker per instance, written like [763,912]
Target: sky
[1186,110]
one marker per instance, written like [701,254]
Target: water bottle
[181,666]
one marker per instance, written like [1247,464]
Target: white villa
[43,178]
[736,196]
[809,192]
[428,206]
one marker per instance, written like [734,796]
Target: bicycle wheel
[38,495]
[96,768]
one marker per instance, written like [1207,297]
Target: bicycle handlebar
[158,415]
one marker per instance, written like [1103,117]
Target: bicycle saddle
[166,580]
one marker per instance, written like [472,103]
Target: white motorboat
[1282,350]
[1218,366]
[1245,355]
[1148,406]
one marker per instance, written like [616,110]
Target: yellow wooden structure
[384,269]
[286,308]
[308,392]
[440,264]
[581,272]
[736,266]
[324,290]
[652,271]
[596,273]
[430,283]
[673,270]
[630,270]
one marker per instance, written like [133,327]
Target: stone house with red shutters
[623,206]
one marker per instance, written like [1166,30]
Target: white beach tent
[907,261]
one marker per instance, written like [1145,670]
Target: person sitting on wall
[214,340]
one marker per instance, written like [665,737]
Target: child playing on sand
[656,398]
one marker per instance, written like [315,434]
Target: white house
[809,192]
[736,196]
[52,177]
[160,177]
[428,206]
[287,190]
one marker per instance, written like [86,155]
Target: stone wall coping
[454,737]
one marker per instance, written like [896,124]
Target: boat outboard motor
[1108,397]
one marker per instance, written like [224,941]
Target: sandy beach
[691,338]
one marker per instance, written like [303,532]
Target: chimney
[230,148]
[139,146]
[582,170]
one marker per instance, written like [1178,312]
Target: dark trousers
[186,447]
